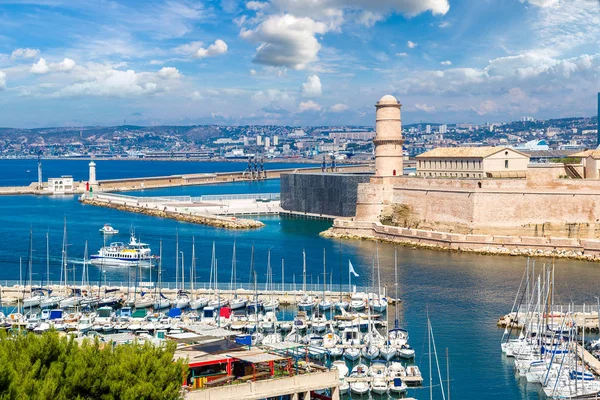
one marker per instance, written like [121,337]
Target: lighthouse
[92,179]
[388,138]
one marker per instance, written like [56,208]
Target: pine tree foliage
[54,367]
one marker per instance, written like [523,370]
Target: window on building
[462,165]
[505,163]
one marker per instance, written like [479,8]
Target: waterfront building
[61,185]
[472,162]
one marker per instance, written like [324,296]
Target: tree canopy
[54,367]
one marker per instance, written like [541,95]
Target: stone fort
[461,193]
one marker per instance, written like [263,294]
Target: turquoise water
[465,294]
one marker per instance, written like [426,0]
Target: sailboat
[75,298]
[255,305]
[341,304]
[237,302]
[378,304]
[160,300]
[306,303]
[196,302]
[35,297]
[182,301]
[272,304]
[324,304]
[53,301]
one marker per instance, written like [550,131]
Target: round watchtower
[388,138]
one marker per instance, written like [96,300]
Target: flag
[351,269]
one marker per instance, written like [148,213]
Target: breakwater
[569,248]
[215,221]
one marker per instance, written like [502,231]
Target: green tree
[54,367]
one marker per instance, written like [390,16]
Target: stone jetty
[216,221]
[565,248]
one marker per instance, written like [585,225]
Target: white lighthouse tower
[388,138]
[92,179]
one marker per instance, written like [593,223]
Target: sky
[295,62]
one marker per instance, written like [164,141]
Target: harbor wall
[534,206]
[547,246]
[332,194]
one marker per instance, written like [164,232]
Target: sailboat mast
[282,275]
[429,353]
[396,285]
[341,271]
[193,266]
[48,260]
[324,276]
[182,272]
[176,258]
[304,271]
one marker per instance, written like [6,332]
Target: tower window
[505,163]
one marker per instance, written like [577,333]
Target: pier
[11,292]
[155,182]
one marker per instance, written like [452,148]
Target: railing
[224,197]
[146,199]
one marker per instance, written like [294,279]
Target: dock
[587,358]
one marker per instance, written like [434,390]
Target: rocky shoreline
[218,222]
[483,250]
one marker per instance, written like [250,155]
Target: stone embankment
[219,222]
[569,248]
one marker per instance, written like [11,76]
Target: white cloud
[425,107]
[273,97]
[65,65]
[2,80]
[445,24]
[411,45]
[312,87]
[542,3]
[308,106]
[40,67]
[402,54]
[116,84]
[217,48]
[106,81]
[197,50]
[446,62]
[169,73]
[286,41]
[558,27]
[486,107]
[257,5]
[253,72]
[196,95]
[24,54]
[339,107]
[367,11]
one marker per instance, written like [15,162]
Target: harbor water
[464,294]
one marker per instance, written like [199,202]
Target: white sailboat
[196,302]
[325,304]
[272,304]
[237,302]
[306,303]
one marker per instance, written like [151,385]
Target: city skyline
[323,62]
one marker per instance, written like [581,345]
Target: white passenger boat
[107,229]
[119,254]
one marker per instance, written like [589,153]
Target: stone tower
[388,138]
[92,180]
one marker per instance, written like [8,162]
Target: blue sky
[294,62]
